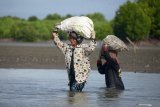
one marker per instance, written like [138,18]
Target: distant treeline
[138,20]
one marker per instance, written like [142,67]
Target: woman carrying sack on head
[111,67]
[76,58]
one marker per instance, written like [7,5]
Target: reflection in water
[77,99]
[48,88]
[108,97]
[112,93]
[109,93]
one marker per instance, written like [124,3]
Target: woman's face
[104,49]
[73,41]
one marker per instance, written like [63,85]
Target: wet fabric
[72,72]
[112,72]
[81,58]
[113,80]
[74,86]
[77,87]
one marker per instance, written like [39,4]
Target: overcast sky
[41,8]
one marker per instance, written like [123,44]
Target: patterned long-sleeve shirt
[81,59]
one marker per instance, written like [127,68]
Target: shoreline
[44,55]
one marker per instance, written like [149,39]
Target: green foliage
[53,17]
[102,29]
[67,16]
[32,31]
[137,20]
[97,17]
[155,31]
[154,12]
[24,32]
[6,24]
[102,26]
[131,21]
[32,18]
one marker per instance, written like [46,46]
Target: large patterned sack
[80,24]
[115,43]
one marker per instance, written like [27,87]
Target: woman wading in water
[76,58]
[110,68]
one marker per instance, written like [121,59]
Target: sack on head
[80,24]
[115,43]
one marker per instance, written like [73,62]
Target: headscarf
[76,36]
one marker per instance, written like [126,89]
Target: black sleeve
[101,68]
[112,62]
